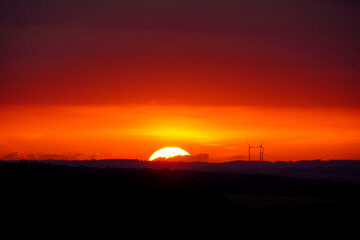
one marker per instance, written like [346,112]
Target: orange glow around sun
[168,152]
[135,131]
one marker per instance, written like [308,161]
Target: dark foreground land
[44,194]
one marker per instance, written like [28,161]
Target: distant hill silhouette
[337,170]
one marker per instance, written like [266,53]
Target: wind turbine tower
[261,152]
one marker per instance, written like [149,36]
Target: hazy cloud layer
[54,156]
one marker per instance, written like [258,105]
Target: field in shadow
[48,195]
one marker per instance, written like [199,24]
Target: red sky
[125,78]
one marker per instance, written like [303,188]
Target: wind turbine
[249,150]
[261,150]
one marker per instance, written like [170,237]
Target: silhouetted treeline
[40,193]
[339,170]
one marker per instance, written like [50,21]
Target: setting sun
[168,152]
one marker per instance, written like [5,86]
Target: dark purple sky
[228,52]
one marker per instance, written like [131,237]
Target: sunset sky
[84,79]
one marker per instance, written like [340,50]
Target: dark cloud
[11,156]
[237,158]
[54,156]
[202,157]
